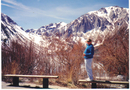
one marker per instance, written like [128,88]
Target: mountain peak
[10,30]
[7,19]
[103,10]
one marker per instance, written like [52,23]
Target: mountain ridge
[93,24]
[95,19]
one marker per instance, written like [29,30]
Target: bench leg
[15,81]
[94,85]
[45,82]
[127,85]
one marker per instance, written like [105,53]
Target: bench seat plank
[31,76]
[108,82]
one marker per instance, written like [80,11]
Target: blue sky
[32,14]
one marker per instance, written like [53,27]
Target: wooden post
[16,81]
[45,82]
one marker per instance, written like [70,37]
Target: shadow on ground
[28,86]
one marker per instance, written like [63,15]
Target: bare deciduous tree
[114,52]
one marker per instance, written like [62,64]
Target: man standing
[88,56]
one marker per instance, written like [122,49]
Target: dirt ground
[24,85]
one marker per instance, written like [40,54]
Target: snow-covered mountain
[11,31]
[97,24]
[102,19]
[48,29]
[90,25]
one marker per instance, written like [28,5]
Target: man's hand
[83,54]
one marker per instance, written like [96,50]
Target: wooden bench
[105,82]
[45,78]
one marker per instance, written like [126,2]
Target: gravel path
[28,86]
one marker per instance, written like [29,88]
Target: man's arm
[91,51]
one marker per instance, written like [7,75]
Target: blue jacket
[89,51]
